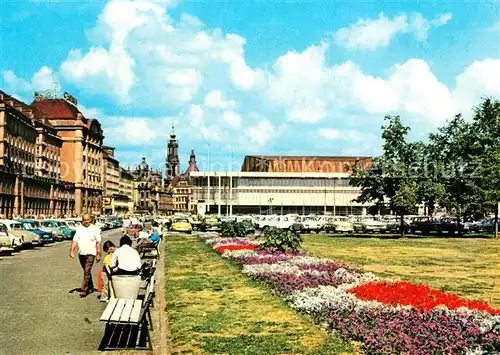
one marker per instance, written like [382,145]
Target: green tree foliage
[486,129]
[276,239]
[391,179]
[458,168]
[234,229]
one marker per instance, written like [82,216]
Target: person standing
[88,240]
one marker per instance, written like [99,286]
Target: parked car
[16,238]
[195,222]
[309,224]
[394,224]
[367,224]
[338,224]
[52,227]
[101,225]
[449,226]
[281,222]
[181,225]
[425,225]
[29,239]
[5,241]
[63,227]
[33,226]
[210,223]
[70,224]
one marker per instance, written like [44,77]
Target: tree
[452,150]
[486,129]
[389,181]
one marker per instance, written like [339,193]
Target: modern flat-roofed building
[280,185]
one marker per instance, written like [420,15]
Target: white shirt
[126,258]
[87,238]
[143,235]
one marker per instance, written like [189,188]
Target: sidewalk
[38,314]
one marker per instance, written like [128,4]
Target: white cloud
[101,71]
[42,80]
[130,131]
[260,133]
[215,99]
[332,134]
[479,79]
[329,133]
[139,49]
[232,118]
[195,115]
[297,79]
[370,34]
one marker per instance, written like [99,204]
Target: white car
[16,238]
[310,223]
[368,224]
[281,222]
[5,242]
[28,238]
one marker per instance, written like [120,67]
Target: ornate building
[172,163]
[31,183]
[148,186]
[181,188]
[81,151]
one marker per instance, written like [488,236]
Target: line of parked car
[28,233]
[425,225]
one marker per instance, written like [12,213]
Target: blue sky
[236,78]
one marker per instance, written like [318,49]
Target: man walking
[88,240]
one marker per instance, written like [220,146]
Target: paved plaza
[38,314]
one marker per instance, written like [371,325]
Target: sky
[240,78]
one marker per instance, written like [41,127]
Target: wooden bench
[148,248]
[128,322]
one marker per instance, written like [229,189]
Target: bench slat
[109,310]
[126,311]
[136,311]
[115,317]
[150,288]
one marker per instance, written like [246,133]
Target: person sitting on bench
[125,260]
[149,242]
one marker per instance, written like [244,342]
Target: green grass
[214,309]
[469,267]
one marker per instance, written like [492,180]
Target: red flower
[232,247]
[419,296]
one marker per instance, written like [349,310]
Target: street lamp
[270,201]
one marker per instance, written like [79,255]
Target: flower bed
[388,317]
[418,296]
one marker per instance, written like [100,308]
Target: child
[109,248]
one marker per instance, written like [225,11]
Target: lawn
[214,309]
[468,267]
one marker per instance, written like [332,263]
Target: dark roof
[56,108]
[302,164]
[190,169]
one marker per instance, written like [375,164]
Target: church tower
[172,157]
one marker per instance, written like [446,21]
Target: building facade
[181,188]
[127,188]
[147,185]
[31,184]
[260,188]
[81,155]
[116,198]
